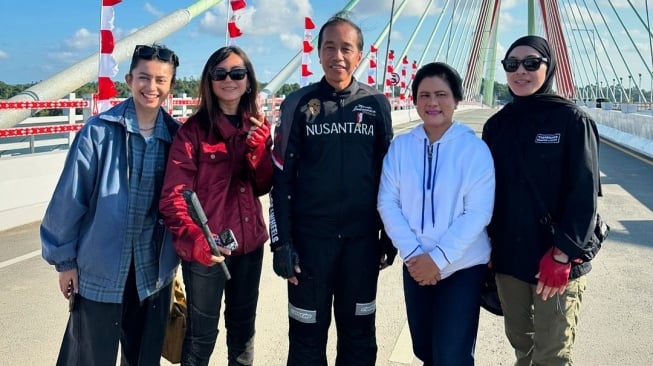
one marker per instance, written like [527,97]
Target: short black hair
[341,17]
[444,71]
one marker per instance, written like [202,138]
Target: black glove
[387,251]
[284,261]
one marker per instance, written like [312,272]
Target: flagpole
[226,26]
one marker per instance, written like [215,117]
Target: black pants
[342,272]
[95,328]
[204,289]
[443,319]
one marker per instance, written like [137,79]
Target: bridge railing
[51,133]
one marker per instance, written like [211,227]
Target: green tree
[287,89]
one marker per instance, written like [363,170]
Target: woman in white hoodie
[436,199]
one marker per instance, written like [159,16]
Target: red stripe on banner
[307,47]
[373,49]
[306,71]
[107,42]
[308,23]
[373,64]
[234,31]
[110,2]
[370,79]
[106,88]
[238,4]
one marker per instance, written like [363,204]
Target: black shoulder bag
[601,228]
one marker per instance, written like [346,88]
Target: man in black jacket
[324,226]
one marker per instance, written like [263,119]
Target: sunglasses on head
[163,54]
[530,63]
[234,74]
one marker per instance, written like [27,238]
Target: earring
[249,90]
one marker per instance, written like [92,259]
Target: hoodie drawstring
[430,183]
[424,179]
[435,169]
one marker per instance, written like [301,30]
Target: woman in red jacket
[223,154]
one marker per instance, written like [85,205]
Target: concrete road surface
[616,325]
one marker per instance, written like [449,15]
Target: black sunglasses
[163,54]
[530,63]
[234,74]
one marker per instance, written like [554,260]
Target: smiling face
[435,105]
[523,82]
[150,83]
[229,91]
[339,54]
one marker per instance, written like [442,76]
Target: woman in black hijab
[545,152]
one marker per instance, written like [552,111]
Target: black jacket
[328,153]
[559,147]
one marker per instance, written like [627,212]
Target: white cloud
[65,57]
[3,55]
[276,16]
[149,8]
[82,39]
[291,41]
[212,24]
[267,18]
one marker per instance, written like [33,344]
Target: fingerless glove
[259,136]
[284,261]
[552,272]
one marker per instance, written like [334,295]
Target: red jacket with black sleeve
[228,177]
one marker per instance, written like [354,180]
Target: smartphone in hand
[228,240]
[71,297]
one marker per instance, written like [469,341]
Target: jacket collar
[126,110]
[343,94]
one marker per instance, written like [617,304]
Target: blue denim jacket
[85,224]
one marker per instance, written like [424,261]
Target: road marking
[19,259]
[403,351]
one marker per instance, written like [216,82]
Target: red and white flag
[232,26]
[371,70]
[307,48]
[108,66]
[402,80]
[390,75]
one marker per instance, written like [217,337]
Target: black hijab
[544,96]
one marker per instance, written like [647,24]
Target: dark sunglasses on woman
[530,63]
[234,74]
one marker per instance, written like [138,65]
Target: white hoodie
[442,205]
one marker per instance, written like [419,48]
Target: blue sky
[48,36]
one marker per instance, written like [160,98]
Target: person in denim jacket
[102,230]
